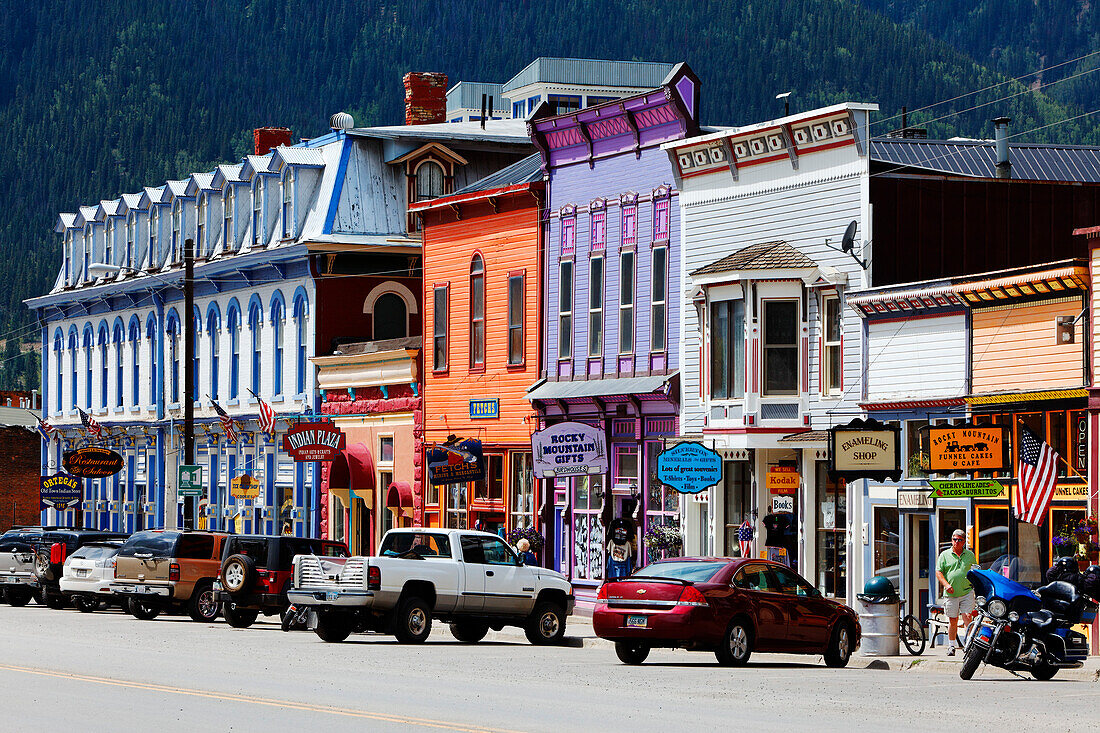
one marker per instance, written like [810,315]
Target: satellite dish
[848,242]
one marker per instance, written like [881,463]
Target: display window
[588,550]
[832,519]
[887,544]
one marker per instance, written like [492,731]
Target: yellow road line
[270,702]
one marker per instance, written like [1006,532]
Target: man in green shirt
[958,596]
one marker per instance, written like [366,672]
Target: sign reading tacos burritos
[967,448]
[59,491]
[569,448]
[314,441]
[865,449]
[92,462]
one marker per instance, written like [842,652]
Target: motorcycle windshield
[994,585]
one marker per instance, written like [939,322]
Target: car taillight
[374,578]
[174,571]
[601,594]
[691,597]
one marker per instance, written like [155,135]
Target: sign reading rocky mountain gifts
[865,449]
[569,448]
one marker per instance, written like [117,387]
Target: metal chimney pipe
[1004,165]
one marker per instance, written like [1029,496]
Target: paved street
[109,672]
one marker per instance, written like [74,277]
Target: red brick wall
[19,464]
[425,97]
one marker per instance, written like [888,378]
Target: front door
[918,563]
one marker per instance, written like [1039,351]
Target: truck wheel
[202,606]
[54,601]
[470,632]
[333,626]
[630,652]
[19,597]
[85,605]
[412,622]
[143,610]
[238,618]
[546,625]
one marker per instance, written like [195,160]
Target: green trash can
[879,618]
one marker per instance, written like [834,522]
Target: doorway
[360,527]
[918,543]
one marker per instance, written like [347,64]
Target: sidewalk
[579,633]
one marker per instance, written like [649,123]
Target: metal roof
[156,195]
[495,131]
[110,208]
[777,255]
[227,174]
[527,170]
[978,158]
[590,72]
[312,157]
[255,164]
[200,182]
[599,387]
[132,200]
[177,189]
[467,95]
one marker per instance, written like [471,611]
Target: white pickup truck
[472,580]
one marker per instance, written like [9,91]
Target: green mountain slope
[97,99]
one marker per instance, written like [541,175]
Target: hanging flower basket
[663,540]
[530,534]
[1063,546]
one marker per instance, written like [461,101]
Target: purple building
[611,307]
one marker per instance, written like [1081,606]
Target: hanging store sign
[865,449]
[981,488]
[314,441]
[967,448]
[60,491]
[456,463]
[915,499]
[92,462]
[783,479]
[783,504]
[689,467]
[244,487]
[569,448]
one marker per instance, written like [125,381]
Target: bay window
[727,349]
[780,345]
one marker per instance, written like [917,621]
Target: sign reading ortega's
[314,441]
[59,491]
[569,448]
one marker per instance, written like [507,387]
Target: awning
[1048,394]
[352,475]
[807,436]
[650,385]
[399,497]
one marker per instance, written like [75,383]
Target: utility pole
[189,372]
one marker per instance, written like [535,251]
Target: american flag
[90,423]
[228,425]
[267,415]
[1038,473]
[45,429]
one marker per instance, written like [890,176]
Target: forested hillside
[97,99]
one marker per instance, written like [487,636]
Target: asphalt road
[63,670]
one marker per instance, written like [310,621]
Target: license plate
[141,589]
[332,595]
[217,585]
[985,634]
[637,622]
[81,573]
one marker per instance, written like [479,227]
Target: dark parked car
[51,547]
[256,571]
[729,606]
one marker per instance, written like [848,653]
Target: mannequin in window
[620,549]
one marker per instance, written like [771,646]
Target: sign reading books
[569,448]
[314,441]
[865,449]
[244,487]
[92,462]
[967,448]
[689,467]
[455,463]
[60,491]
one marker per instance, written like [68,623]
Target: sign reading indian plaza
[59,491]
[689,468]
[314,441]
[569,448]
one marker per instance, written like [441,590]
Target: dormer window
[131,232]
[257,204]
[87,252]
[108,247]
[200,227]
[154,223]
[288,204]
[228,239]
[429,181]
[68,258]
[177,225]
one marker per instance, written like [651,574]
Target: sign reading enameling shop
[569,448]
[865,449]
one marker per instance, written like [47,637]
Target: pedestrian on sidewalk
[958,603]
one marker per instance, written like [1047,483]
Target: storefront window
[992,540]
[949,521]
[916,455]
[1058,438]
[626,467]
[492,488]
[887,544]
[738,503]
[832,521]
[662,502]
[338,520]
[520,490]
[588,535]
[456,506]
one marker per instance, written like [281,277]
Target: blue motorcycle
[1021,630]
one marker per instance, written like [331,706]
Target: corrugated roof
[132,200]
[177,188]
[599,387]
[200,182]
[85,214]
[527,170]
[467,95]
[806,436]
[590,72]
[495,131]
[227,174]
[156,195]
[256,164]
[297,156]
[978,158]
[777,255]
[64,221]
[110,208]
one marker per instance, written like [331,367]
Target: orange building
[482,276]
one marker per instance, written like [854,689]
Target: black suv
[256,572]
[52,547]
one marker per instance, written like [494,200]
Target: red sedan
[728,606]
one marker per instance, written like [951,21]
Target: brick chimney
[266,138]
[425,97]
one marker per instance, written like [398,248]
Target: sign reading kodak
[967,448]
[783,479]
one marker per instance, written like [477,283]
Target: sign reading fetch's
[569,449]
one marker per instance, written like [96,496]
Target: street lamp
[786,97]
[188,349]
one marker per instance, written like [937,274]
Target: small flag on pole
[228,425]
[45,429]
[1038,474]
[90,423]
[267,415]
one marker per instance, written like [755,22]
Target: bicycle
[911,632]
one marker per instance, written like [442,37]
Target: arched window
[429,181]
[195,371]
[154,223]
[151,338]
[135,363]
[118,366]
[277,343]
[254,318]
[257,204]
[477,312]
[88,367]
[177,230]
[232,323]
[300,345]
[212,330]
[72,368]
[57,345]
[104,378]
[174,361]
[200,226]
[391,320]
[229,239]
[288,203]
[131,234]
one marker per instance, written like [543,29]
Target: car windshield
[414,543]
[696,572]
[155,544]
[95,552]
